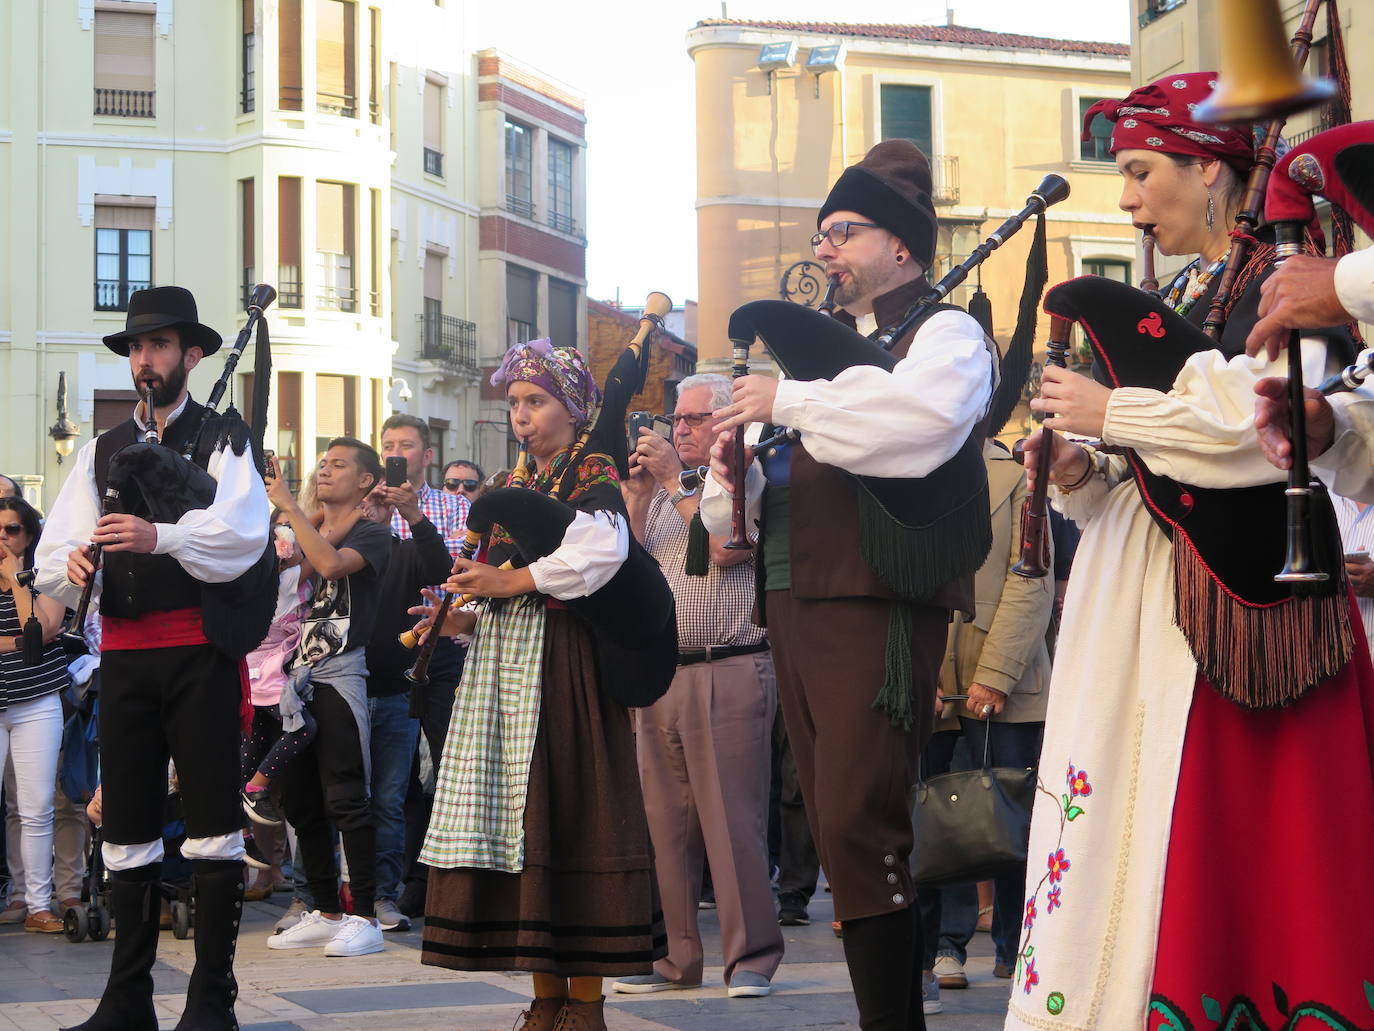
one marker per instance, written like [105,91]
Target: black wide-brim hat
[159,307]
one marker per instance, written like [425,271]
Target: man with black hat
[166,691]
[857,659]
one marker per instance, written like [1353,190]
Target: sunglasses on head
[12,529]
[464,484]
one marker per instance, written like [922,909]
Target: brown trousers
[856,768]
[704,758]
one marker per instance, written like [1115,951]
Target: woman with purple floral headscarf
[538,844]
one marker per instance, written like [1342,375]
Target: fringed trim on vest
[914,562]
[698,548]
[894,697]
[1258,656]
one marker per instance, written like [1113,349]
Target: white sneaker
[357,937]
[311,930]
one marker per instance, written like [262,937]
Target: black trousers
[324,784]
[157,703]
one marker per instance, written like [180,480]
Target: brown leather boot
[582,1016]
[542,1015]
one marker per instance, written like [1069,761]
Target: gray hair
[718,385]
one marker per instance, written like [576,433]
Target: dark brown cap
[890,186]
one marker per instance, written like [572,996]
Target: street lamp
[63,432]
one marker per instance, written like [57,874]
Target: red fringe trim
[1258,656]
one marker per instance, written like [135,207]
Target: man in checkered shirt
[409,437]
[705,746]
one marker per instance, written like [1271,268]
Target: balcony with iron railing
[563,222]
[246,287]
[337,297]
[126,103]
[113,294]
[518,205]
[944,170]
[1155,9]
[434,162]
[448,340]
[342,104]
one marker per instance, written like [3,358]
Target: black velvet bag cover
[633,617]
[938,527]
[1256,642]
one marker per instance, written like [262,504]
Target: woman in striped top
[30,708]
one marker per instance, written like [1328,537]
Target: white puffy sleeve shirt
[214,545]
[905,423]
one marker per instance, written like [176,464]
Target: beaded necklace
[1190,284]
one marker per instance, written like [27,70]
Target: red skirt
[1267,920]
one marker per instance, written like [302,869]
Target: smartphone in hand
[395,471]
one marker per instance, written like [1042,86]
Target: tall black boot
[884,959]
[219,907]
[136,906]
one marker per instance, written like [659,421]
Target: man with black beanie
[858,647]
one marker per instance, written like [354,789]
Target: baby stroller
[79,776]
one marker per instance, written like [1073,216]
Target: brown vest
[824,508]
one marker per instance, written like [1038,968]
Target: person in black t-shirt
[328,782]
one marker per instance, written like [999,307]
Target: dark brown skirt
[586,903]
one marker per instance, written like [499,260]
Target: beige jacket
[1004,647]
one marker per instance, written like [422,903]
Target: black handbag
[971,825]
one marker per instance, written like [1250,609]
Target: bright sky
[630,61]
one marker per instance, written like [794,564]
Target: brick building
[671,358]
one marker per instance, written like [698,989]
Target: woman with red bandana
[1168,883]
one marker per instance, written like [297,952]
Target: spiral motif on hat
[1306,171]
[1154,141]
[1130,123]
[1180,84]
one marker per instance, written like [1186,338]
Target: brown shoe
[71,903]
[541,1016]
[43,922]
[581,1016]
[258,892]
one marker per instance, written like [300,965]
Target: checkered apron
[479,800]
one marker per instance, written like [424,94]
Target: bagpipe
[633,618]
[161,484]
[951,503]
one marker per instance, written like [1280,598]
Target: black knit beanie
[890,186]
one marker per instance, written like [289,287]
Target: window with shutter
[290,90]
[335,246]
[248,234]
[519,161]
[522,304]
[123,250]
[125,77]
[906,115]
[247,95]
[434,127]
[336,408]
[336,90]
[561,186]
[1098,147]
[562,313]
[288,242]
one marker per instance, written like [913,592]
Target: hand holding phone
[395,471]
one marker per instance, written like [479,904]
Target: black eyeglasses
[464,484]
[12,529]
[692,419]
[838,233]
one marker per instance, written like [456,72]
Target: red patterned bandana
[561,371]
[1160,117]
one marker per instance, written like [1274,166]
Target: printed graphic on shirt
[324,631]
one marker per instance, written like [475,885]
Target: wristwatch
[682,492]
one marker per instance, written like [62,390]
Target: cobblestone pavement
[47,982]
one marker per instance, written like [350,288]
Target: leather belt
[691,656]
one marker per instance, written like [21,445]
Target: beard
[166,390]
[862,282]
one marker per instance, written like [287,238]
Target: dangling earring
[1211,211]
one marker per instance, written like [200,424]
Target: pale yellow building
[327,147]
[995,112]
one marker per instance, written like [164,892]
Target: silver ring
[116,538]
[987,710]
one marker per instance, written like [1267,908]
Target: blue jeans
[394,737]
[954,910]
